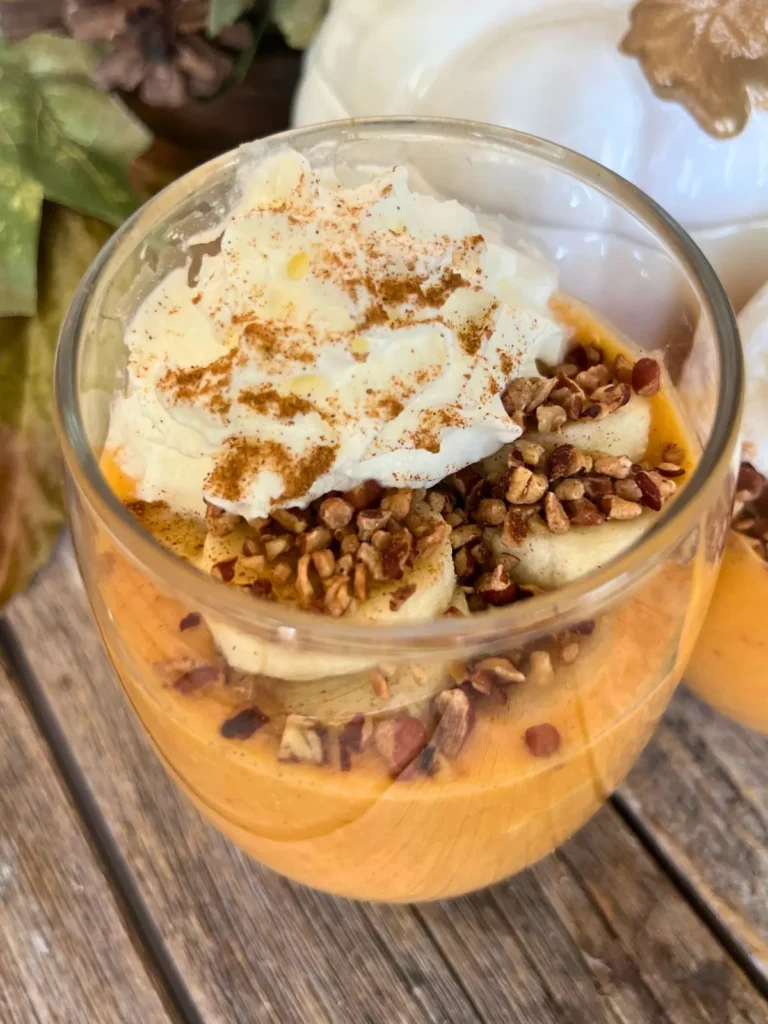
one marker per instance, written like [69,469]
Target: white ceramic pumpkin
[552,68]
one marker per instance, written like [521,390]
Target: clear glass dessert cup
[394,792]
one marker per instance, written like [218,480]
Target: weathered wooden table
[118,902]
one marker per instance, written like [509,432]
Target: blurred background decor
[670,94]
[103,102]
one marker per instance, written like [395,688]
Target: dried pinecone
[156,47]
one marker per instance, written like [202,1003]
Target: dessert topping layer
[339,335]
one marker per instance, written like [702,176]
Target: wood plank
[549,946]
[250,946]
[65,953]
[701,788]
[596,933]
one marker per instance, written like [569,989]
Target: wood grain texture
[597,933]
[65,954]
[701,787]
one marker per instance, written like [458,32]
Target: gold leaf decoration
[709,55]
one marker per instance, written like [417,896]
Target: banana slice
[551,560]
[624,432]
[433,577]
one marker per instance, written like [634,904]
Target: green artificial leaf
[223,13]
[298,20]
[60,139]
[31,511]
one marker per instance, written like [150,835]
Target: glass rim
[542,613]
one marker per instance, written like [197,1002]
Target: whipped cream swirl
[338,335]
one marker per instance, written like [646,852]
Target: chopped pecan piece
[371,520]
[618,467]
[646,377]
[399,741]
[336,513]
[481,553]
[360,582]
[649,488]
[295,520]
[258,523]
[555,515]
[380,540]
[395,555]
[569,652]
[260,588]
[438,502]
[628,489]
[593,378]
[525,487]
[364,495]
[465,564]
[349,544]
[670,470]
[496,588]
[346,564]
[570,489]
[196,676]
[354,737]
[674,453]
[379,684]
[567,460]
[304,740]
[250,547]
[596,487]
[584,513]
[400,596]
[457,716]
[495,672]
[465,534]
[524,394]
[225,571]
[218,522]
[612,396]
[532,454]
[750,484]
[399,504]
[622,369]
[337,596]
[550,419]
[490,512]
[280,572]
[515,528]
[542,740]
[316,539]
[570,401]
[304,585]
[541,672]
[619,508]
[431,540]
[371,559]
[244,724]
[508,560]
[324,562]
[278,546]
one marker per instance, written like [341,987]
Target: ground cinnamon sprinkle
[475,332]
[390,407]
[426,440]
[243,459]
[267,401]
[202,382]
[437,294]
[506,363]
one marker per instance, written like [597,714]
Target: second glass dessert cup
[494,736]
